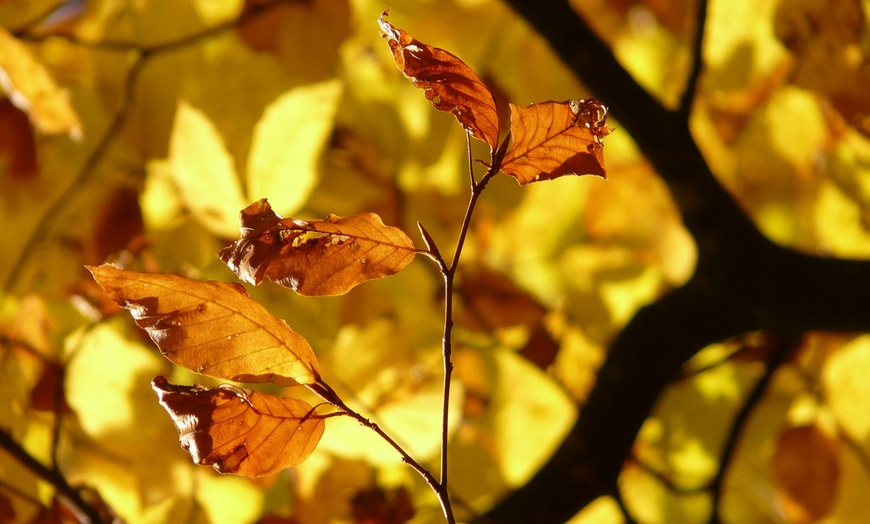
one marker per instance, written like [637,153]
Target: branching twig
[782,349]
[85,513]
[89,168]
[688,95]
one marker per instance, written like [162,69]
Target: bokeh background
[134,132]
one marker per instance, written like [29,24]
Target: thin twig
[778,356]
[85,513]
[325,391]
[697,59]
[89,168]
[668,483]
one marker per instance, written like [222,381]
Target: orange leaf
[316,258]
[240,431]
[448,82]
[213,328]
[552,139]
[806,470]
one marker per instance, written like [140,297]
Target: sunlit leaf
[318,257]
[203,171]
[240,431]
[528,421]
[825,40]
[448,82]
[213,328]
[552,139]
[806,469]
[288,142]
[32,89]
[847,390]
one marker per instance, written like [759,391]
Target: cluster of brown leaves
[216,329]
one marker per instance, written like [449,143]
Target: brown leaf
[448,82]
[316,258]
[17,144]
[379,506]
[806,470]
[552,139]
[213,328]
[240,431]
[492,301]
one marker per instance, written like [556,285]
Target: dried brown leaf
[240,431]
[448,82]
[318,257]
[553,139]
[213,328]
[806,470]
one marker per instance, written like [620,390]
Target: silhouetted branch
[743,282]
[783,348]
[688,95]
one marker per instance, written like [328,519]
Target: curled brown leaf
[240,431]
[317,257]
[448,82]
[213,328]
[553,139]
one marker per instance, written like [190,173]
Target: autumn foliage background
[637,327]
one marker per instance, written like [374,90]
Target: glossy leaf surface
[318,257]
[213,328]
[241,431]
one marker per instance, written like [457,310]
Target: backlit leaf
[213,328]
[241,431]
[287,144]
[806,470]
[204,171]
[448,82]
[32,89]
[552,139]
[318,257]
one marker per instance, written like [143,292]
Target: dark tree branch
[688,95]
[743,282]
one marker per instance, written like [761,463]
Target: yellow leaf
[204,171]
[847,389]
[287,144]
[32,89]
[107,386]
[532,416]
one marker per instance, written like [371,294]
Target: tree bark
[743,282]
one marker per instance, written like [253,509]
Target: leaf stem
[449,273]
[325,391]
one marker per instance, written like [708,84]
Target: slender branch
[325,391]
[782,349]
[688,95]
[87,171]
[668,483]
[85,513]
[142,54]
